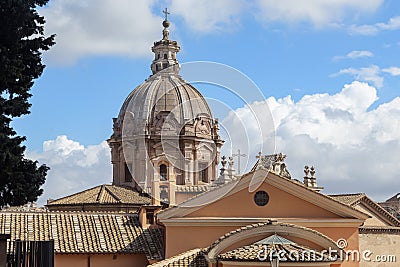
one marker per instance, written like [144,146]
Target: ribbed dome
[163,93]
[165,135]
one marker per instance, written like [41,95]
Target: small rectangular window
[128,174]
[203,172]
[149,217]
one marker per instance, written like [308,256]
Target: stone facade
[384,246]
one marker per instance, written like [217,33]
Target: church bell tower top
[165,51]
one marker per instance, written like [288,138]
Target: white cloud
[319,13]
[73,167]
[373,74]
[369,74]
[355,54]
[363,29]
[128,28]
[62,145]
[100,27]
[394,71]
[391,25]
[353,148]
[358,54]
[209,15]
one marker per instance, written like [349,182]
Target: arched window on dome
[163,172]
[165,56]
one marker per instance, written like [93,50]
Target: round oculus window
[261,198]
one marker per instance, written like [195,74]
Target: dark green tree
[22,41]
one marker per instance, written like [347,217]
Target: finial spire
[309,180]
[165,50]
[166,25]
[165,11]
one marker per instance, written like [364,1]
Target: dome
[165,134]
[163,94]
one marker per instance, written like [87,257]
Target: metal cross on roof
[165,11]
[238,155]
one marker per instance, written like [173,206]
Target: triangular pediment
[379,217]
[287,198]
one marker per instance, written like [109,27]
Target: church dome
[163,94]
[165,135]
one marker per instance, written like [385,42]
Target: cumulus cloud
[128,28]
[391,25]
[319,13]
[355,54]
[100,27]
[353,148]
[209,15]
[74,167]
[373,74]
[369,74]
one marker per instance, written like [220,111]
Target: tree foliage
[22,41]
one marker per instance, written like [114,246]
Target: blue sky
[302,49]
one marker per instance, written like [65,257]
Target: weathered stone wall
[383,250]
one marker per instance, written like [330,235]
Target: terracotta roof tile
[103,194]
[288,252]
[256,225]
[191,258]
[348,199]
[84,232]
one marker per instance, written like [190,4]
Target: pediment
[287,199]
[378,216]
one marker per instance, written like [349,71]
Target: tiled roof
[256,225]
[191,258]
[348,199]
[103,194]
[395,198]
[262,250]
[84,232]
[353,199]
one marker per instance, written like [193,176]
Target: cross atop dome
[165,11]
[166,24]
[165,50]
